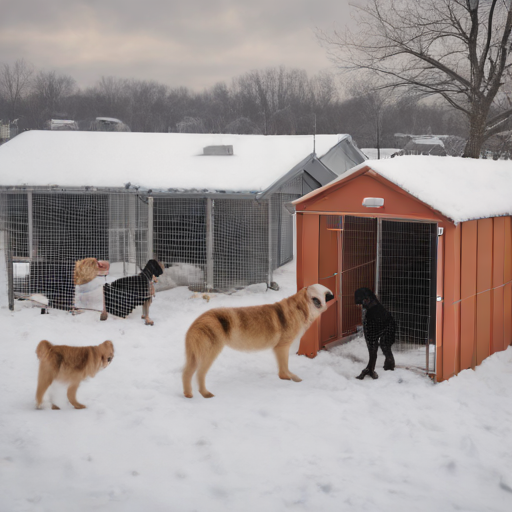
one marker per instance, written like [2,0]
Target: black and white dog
[379,328]
[122,296]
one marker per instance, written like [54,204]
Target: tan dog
[273,326]
[70,365]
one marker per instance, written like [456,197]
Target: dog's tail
[43,349]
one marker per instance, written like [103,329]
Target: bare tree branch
[458,50]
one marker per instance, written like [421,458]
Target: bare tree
[374,103]
[14,84]
[456,49]
[51,89]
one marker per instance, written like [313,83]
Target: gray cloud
[193,43]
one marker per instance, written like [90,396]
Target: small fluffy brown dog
[70,365]
[273,326]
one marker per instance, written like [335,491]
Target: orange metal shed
[473,272]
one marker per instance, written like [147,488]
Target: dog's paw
[103,316]
[188,395]
[389,365]
[207,394]
[366,372]
[55,407]
[149,322]
[295,378]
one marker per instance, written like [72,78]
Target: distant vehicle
[109,124]
[61,124]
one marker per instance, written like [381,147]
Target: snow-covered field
[329,443]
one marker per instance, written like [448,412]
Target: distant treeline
[270,101]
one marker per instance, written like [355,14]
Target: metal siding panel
[484,258]
[299,218]
[499,252]
[483,326]
[451,324]
[468,259]
[309,344]
[468,332]
[507,315]
[497,342]
[507,274]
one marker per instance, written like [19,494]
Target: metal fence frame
[213,242]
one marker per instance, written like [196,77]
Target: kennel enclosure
[209,207]
[432,237]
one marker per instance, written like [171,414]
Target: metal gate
[407,288]
[397,260]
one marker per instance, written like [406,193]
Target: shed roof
[460,188]
[158,161]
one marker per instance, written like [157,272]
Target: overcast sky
[192,43]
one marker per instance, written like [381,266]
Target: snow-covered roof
[460,188]
[158,161]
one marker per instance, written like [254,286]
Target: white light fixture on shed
[373,202]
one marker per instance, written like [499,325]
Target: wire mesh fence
[407,284]
[204,243]
[359,246]
[180,239]
[397,260]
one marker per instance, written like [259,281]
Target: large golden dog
[273,326]
[70,365]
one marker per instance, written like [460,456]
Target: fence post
[209,244]
[270,244]
[9,264]
[30,226]
[378,258]
[150,228]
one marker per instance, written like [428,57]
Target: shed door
[407,288]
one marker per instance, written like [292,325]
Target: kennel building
[432,237]
[210,207]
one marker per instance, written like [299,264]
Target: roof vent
[218,150]
[373,202]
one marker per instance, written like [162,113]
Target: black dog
[378,327]
[122,296]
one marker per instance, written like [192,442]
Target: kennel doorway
[397,260]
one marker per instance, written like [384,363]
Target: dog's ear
[107,353]
[155,268]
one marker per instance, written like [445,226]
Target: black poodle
[379,328]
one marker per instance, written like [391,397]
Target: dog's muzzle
[328,297]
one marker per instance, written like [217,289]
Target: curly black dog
[122,296]
[379,328]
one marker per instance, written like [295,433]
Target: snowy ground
[329,443]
